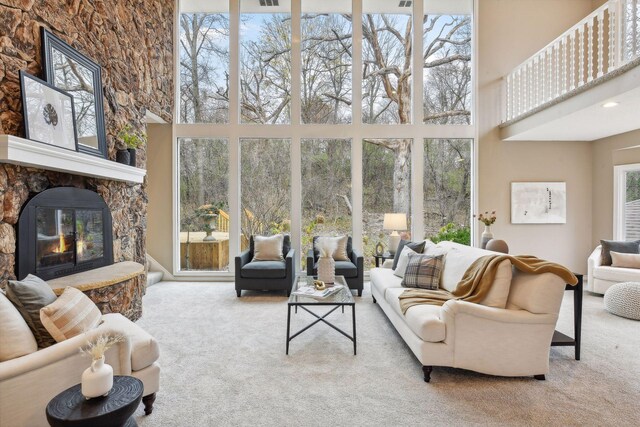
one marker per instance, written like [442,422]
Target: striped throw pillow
[423,271]
[71,314]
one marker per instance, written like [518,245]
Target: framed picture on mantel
[48,113]
[71,71]
[538,202]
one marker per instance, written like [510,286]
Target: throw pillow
[403,261]
[340,242]
[268,248]
[619,259]
[71,314]
[423,271]
[617,246]
[418,247]
[29,296]
[16,338]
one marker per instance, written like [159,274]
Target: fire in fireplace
[63,231]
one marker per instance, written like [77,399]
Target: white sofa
[29,382]
[602,277]
[509,334]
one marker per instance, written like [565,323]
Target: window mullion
[417,153]
[356,143]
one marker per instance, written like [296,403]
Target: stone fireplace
[62,231]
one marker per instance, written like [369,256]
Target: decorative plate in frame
[48,112]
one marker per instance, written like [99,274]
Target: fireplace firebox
[62,231]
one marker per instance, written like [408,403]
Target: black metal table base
[321,319]
[560,339]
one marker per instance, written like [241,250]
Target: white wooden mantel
[25,152]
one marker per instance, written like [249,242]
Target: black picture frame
[87,105]
[48,113]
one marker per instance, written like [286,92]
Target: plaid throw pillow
[423,271]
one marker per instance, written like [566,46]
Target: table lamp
[394,222]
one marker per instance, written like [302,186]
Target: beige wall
[160,193]
[608,152]
[509,32]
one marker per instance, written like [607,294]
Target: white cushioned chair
[602,277]
[29,382]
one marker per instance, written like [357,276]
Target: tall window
[386,170]
[265,187]
[627,202]
[319,137]
[204,63]
[265,65]
[204,204]
[386,62]
[447,189]
[326,190]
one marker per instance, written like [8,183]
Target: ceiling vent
[403,3]
[271,3]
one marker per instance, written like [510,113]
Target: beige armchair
[29,382]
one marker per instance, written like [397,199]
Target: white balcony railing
[602,42]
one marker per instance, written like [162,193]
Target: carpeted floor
[223,363]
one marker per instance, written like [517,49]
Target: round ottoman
[623,299]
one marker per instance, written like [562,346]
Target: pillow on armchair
[268,248]
[341,252]
[617,246]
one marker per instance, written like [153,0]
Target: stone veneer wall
[132,41]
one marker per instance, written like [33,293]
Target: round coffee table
[70,408]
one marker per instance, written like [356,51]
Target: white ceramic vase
[486,236]
[97,379]
[326,269]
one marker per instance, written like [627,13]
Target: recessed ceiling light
[609,104]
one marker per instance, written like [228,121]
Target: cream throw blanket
[477,280]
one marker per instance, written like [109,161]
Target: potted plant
[208,214]
[132,140]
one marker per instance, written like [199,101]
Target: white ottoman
[623,299]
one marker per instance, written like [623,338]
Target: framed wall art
[48,112]
[71,71]
[538,202]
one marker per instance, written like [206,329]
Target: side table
[70,408]
[560,339]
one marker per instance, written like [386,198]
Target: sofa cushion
[144,348]
[264,270]
[403,261]
[617,274]
[423,271]
[71,314]
[383,279]
[619,259]
[346,269]
[424,319]
[29,296]
[418,247]
[632,247]
[16,338]
[268,248]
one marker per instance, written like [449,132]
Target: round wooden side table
[71,409]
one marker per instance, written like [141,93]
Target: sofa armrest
[358,260]
[242,260]
[388,263]
[310,262]
[453,308]
[118,355]
[290,262]
[593,261]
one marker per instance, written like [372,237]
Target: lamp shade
[395,221]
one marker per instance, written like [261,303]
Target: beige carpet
[223,363]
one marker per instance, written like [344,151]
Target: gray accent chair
[265,275]
[353,270]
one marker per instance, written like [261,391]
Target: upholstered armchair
[352,270]
[265,275]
